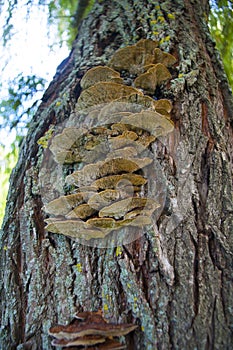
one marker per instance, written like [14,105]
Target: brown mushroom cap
[83,211]
[102,93]
[74,229]
[122,141]
[163,57]
[64,204]
[111,224]
[129,152]
[112,166]
[83,329]
[161,72]
[91,316]
[85,176]
[146,212]
[146,81]
[62,143]
[112,180]
[90,328]
[163,104]
[85,341]
[110,112]
[130,58]
[102,223]
[148,45]
[120,208]
[119,165]
[103,198]
[153,122]
[100,74]
[140,220]
[152,77]
[134,103]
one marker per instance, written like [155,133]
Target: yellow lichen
[161,19]
[118,251]
[105,307]
[79,267]
[171,16]
[44,140]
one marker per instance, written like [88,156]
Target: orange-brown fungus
[90,328]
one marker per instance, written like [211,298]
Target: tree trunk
[175,281]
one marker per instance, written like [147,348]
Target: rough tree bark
[176,283]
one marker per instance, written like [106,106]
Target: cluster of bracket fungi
[106,192]
[90,330]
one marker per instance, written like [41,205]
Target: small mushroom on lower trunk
[90,328]
[85,341]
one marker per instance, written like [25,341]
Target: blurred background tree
[21,94]
[221,28]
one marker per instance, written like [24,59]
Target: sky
[32,49]
[29,52]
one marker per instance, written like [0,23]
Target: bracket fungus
[100,74]
[74,229]
[133,58]
[103,198]
[103,92]
[90,328]
[121,208]
[64,204]
[163,57]
[111,181]
[107,192]
[130,58]
[154,76]
[151,121]
[112,166]
[148,45]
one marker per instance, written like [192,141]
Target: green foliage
[15,114]
[20,103]
[62,13]
[221,27]
[20,100]
[65,15]
[68,15]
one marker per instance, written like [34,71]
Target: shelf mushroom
[90,328]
